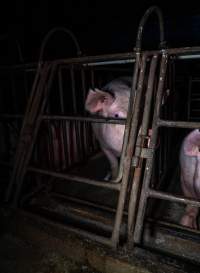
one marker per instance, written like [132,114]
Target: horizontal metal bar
[178,124]
[177,52]
[131,55]
[110,62]
[89,235]
[79,215]
[87,203]
[89,119]
[173,198]
[181,53]
[172,225]
[188,57]
[75,178]
[44,221]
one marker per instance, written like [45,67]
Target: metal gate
[68,128]
[167,236]
[41,112]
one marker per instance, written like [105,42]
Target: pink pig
[111,101]
[190,175]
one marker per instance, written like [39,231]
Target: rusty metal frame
[133,150]
[131,127]
[34,119]
[137,206]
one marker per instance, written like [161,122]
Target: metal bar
[136,87]
[73,89]
[26,130]
[172,225]
[192,52]
[61,90]
[87,203]
[64,146]
[110,62]
[85,131]
[188,57]
[83,83]
[149,162]
[76,178]
[31,114]
[34,117]
[173,198]
[53,31]
[178,124]
[180,52]
[89,235]
[132,120]
[189,98]
[142,23]
[92,78]
[20,146]
[80,216]
[85,119]
[143,132]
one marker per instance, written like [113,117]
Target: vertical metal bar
[84,124]
[33,111]
[189,99]
[132,127]
[92,78]
[149,162]
[83,83]
[62,145]
[143,132]
[137,85]
[20,146]
[29,149]
[69,144]
[73,89]
[61,90]
[51,147]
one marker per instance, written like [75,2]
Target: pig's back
[119,85]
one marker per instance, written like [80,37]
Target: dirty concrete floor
[18,256]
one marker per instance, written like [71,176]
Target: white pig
[111,101]
[190,175]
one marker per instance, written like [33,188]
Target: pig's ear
[97,100]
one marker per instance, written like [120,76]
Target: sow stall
[58,169]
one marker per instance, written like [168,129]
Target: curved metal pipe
[51,32]
[142,23]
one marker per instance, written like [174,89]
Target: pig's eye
[116,115]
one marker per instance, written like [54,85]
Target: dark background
[100,26]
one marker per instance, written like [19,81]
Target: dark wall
[101,27]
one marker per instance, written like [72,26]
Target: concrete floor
[19,256]
[32,244]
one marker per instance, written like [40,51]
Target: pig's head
[106,104]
